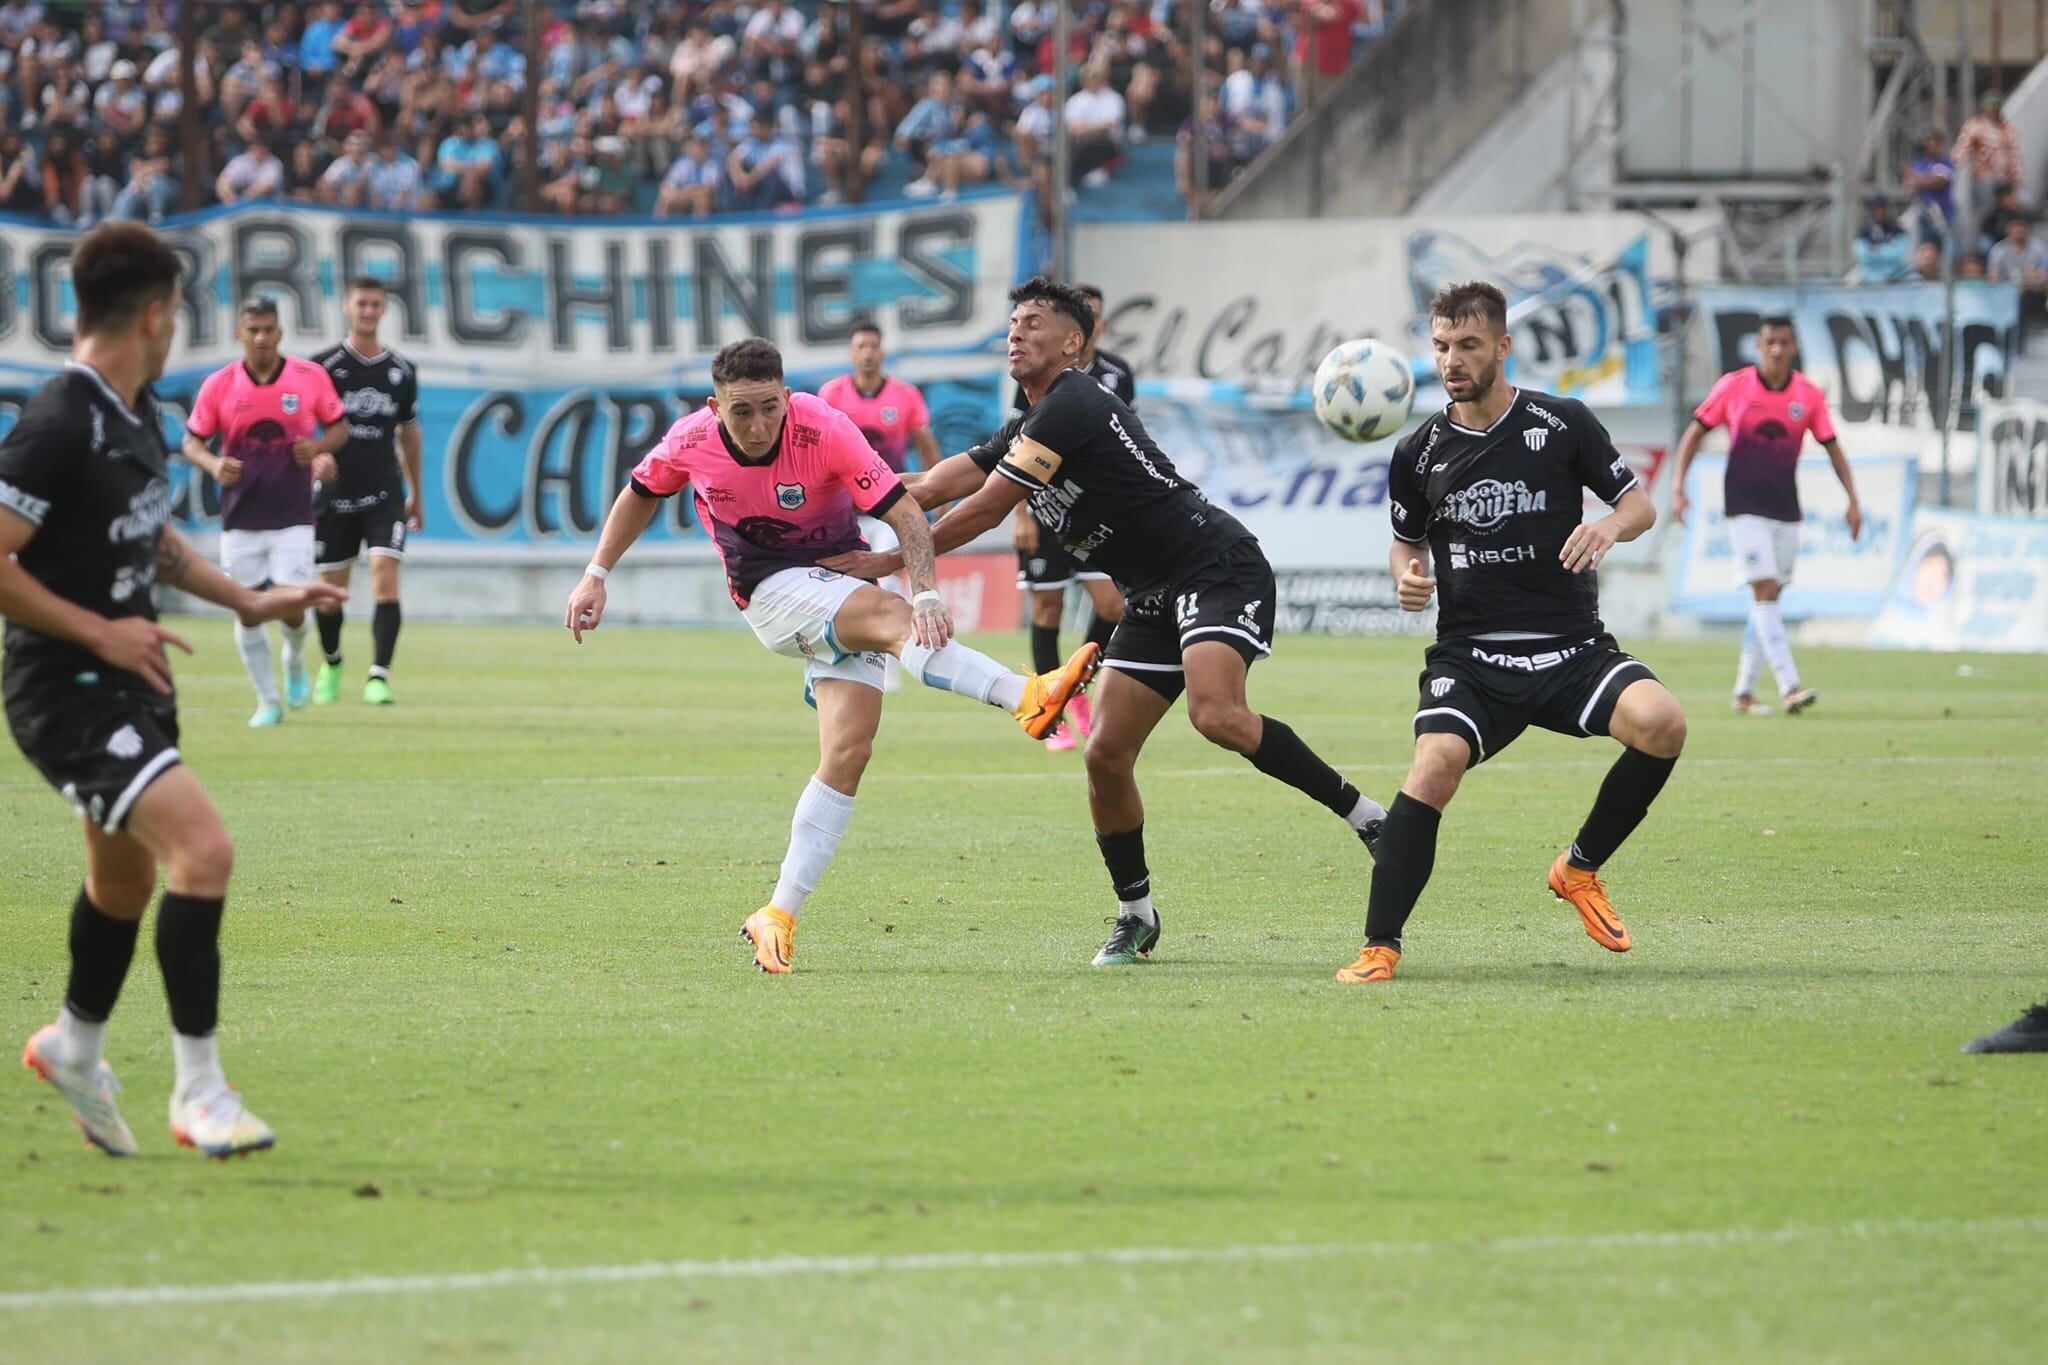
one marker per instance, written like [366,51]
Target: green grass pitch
[482,975]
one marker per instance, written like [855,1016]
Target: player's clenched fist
[586,607]
[1415,588]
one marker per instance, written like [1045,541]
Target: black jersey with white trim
[1113,498]
[1496,507]
[381,394]
[89,473]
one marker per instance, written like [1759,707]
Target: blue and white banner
[1880,351]
[1969,582]
[1836,576]
[2012,459]
[553,351]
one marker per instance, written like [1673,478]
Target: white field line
[782,1267]
[1065,773]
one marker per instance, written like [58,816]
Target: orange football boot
[1588,895]
[1374,964]
[773,934]
[1046,695]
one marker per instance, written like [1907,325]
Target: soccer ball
[1364,390]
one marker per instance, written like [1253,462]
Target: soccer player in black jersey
[1044,568]
[1200,589]
[1490,493]
[371,506]
[84,537]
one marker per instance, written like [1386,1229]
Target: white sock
[294,647]
[969,672]
[198,1063]
[254,643]
[1775,644]
[79,1041]
[1365,812]
[1750,663]
[1141,908]
[814,832]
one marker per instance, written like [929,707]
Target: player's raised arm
[632,513]
[949,479]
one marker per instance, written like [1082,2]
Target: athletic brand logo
[1440,687]
[1439,469]
[30,507]
[1400,512]
[125,743]
[1619,469]
[789,496]
[99,430]
[290,403]
[1248,615]
[1490,502]
[824,575]
[1535,437]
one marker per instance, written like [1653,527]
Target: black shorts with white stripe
[100,745]
[1227,601]
[1486,692]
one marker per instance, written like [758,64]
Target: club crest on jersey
[289,402]
[1798,410]
[394,374]
[1535,437]
[889,414]
[789,496]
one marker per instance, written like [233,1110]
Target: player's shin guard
[1123,853]
[254,644]
[1625,796]
[384,622]
[1045,648]
[188,952]
[329,623]
[1402,862]
[967,672]
[101,949]
[1768,620]
[822,815]
[1283,754]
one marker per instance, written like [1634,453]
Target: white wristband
[597,571]
[928,595]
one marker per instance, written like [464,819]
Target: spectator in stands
[21,176]
[244,80]
[1255,101]
[65,100]
[1971,267]
[2005,206]
[692,183]
[394,183]
[936,118]
[317,55]
[119,105]
[97,52]
[346,110]
[255,174]
[1989,145]
[63,177]
[303,171]
[346,181]
[1216,151]
[1095,127]
[1931,177]
[363,39]
[1322,44]
[474,15]
[468,167]
[1927,258]
[269,116]
[2021,259]
[151,190]
[106,170]
[765,170]
[1881,245]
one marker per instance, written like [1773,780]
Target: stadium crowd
[676,107]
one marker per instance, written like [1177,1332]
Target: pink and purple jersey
[787,511]
[889,417]
[1766,428]
[257,423]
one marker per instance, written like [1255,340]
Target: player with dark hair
[84,536]
[889,411]
[778,480]
[1490,492]
[1044,568]
[375,499]
[1201,592]
[266,409]
[1768,408]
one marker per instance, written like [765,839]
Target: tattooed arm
[180,567]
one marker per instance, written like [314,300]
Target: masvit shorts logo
[1490,502]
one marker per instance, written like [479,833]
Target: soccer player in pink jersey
[779,479]
[1768,408]
[889,411]
[268,410]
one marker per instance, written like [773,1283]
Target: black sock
[1282,754]
[1401,866]
[384,635]
[1124,855]
[101,949]
[1625,796]
[1100,629]
[330,634]
[1045,648]
[188,951]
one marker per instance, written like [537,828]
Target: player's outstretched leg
[1405,853]
[2028,1033]
[1648,722]
[1217,707]
[849,714]
[1126,712]
[176,821]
